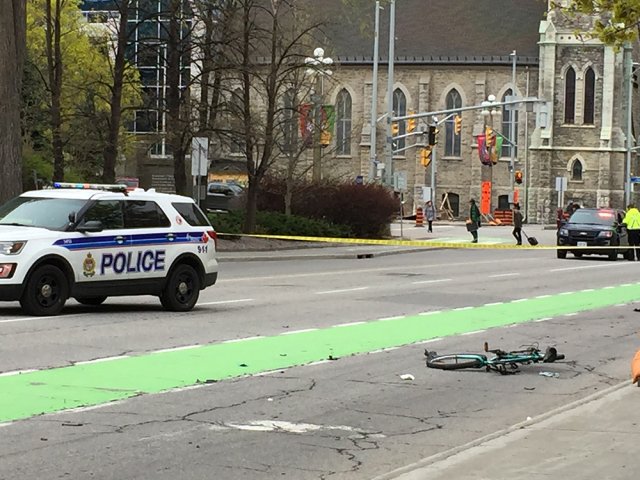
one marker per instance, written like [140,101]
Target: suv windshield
[594,217]
[50,213]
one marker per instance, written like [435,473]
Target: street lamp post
[490,109]
[318,66]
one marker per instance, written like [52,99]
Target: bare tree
[12,52]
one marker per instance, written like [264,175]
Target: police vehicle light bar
[91,186]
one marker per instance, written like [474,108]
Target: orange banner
[485,199]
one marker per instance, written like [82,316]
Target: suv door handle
[119,239]
[171,237]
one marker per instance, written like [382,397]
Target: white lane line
[462,308]
[344,290]
[437,339]
[493,304]
[433,312]
[319,362]
[472,333]
[222,302]
[29,319]
[176,349]
[543,296]
[570,314]
[504,275]
[440,280]
[245,339]
[588,290]
[100,360]
[17,372]
[566,269]
[519,300]
[543,319]
[299,331]
[386,319]
[349,324]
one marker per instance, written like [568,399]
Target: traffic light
[432,135]
[411,124]
[395,128]
[518,176]
[457,124]
[489,136]
[425,156]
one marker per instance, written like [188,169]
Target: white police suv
[91,242]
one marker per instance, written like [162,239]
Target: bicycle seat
[497,351]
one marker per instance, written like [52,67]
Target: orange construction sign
[485,199]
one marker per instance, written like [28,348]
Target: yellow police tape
[417,243]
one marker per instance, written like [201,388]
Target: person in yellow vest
[632,221]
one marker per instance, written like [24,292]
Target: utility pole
[389,148]
[374,97]
[629,80]
[512,129]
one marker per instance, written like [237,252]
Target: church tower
[580,130]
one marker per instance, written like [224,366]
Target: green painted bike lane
[23,395]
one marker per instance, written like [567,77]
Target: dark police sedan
[594,227]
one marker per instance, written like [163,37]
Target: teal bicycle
[501,361]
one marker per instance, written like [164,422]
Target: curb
[410,472]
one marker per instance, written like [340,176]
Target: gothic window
[507,116]
[400,109]
[237,144]
[570,96]
[452,141]
[589,96]
[576,170]
[289,124]
[343,123]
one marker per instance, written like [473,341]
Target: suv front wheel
[182,290]
[45,292]
[562,253]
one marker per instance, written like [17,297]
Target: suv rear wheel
[562,253]
[45,292]
[182,289]
[613,256]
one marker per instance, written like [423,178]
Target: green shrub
[275,223]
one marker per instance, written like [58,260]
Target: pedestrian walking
[473,223]
[517,224]
[430,214]
[632,221]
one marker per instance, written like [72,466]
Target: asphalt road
[318,414]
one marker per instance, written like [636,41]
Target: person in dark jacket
[517,224]
[474,220]
[430,214]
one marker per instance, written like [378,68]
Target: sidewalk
[451,232]
[594,438]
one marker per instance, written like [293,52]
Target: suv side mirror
[90,226]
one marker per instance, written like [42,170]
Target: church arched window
[570,96]
[343,123]
[452,141]
[400,109]
[576,170]
[589,96]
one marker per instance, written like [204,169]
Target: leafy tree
[12,53]
[73,83]
[617,21]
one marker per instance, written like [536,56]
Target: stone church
[457,54]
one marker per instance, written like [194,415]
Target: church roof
[436,31]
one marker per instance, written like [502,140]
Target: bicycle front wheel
[456,361]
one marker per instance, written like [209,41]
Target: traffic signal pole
[512,131]
[388,170]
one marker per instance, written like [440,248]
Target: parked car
[224,197]
[594,227]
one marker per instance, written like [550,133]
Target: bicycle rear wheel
[456,361]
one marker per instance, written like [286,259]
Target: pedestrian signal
[433,135]
[457,124]
[425,156]
[518,176]
[395,128]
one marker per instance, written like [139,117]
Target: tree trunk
[12,51]
[175,124]
[54,67]
[111,148]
